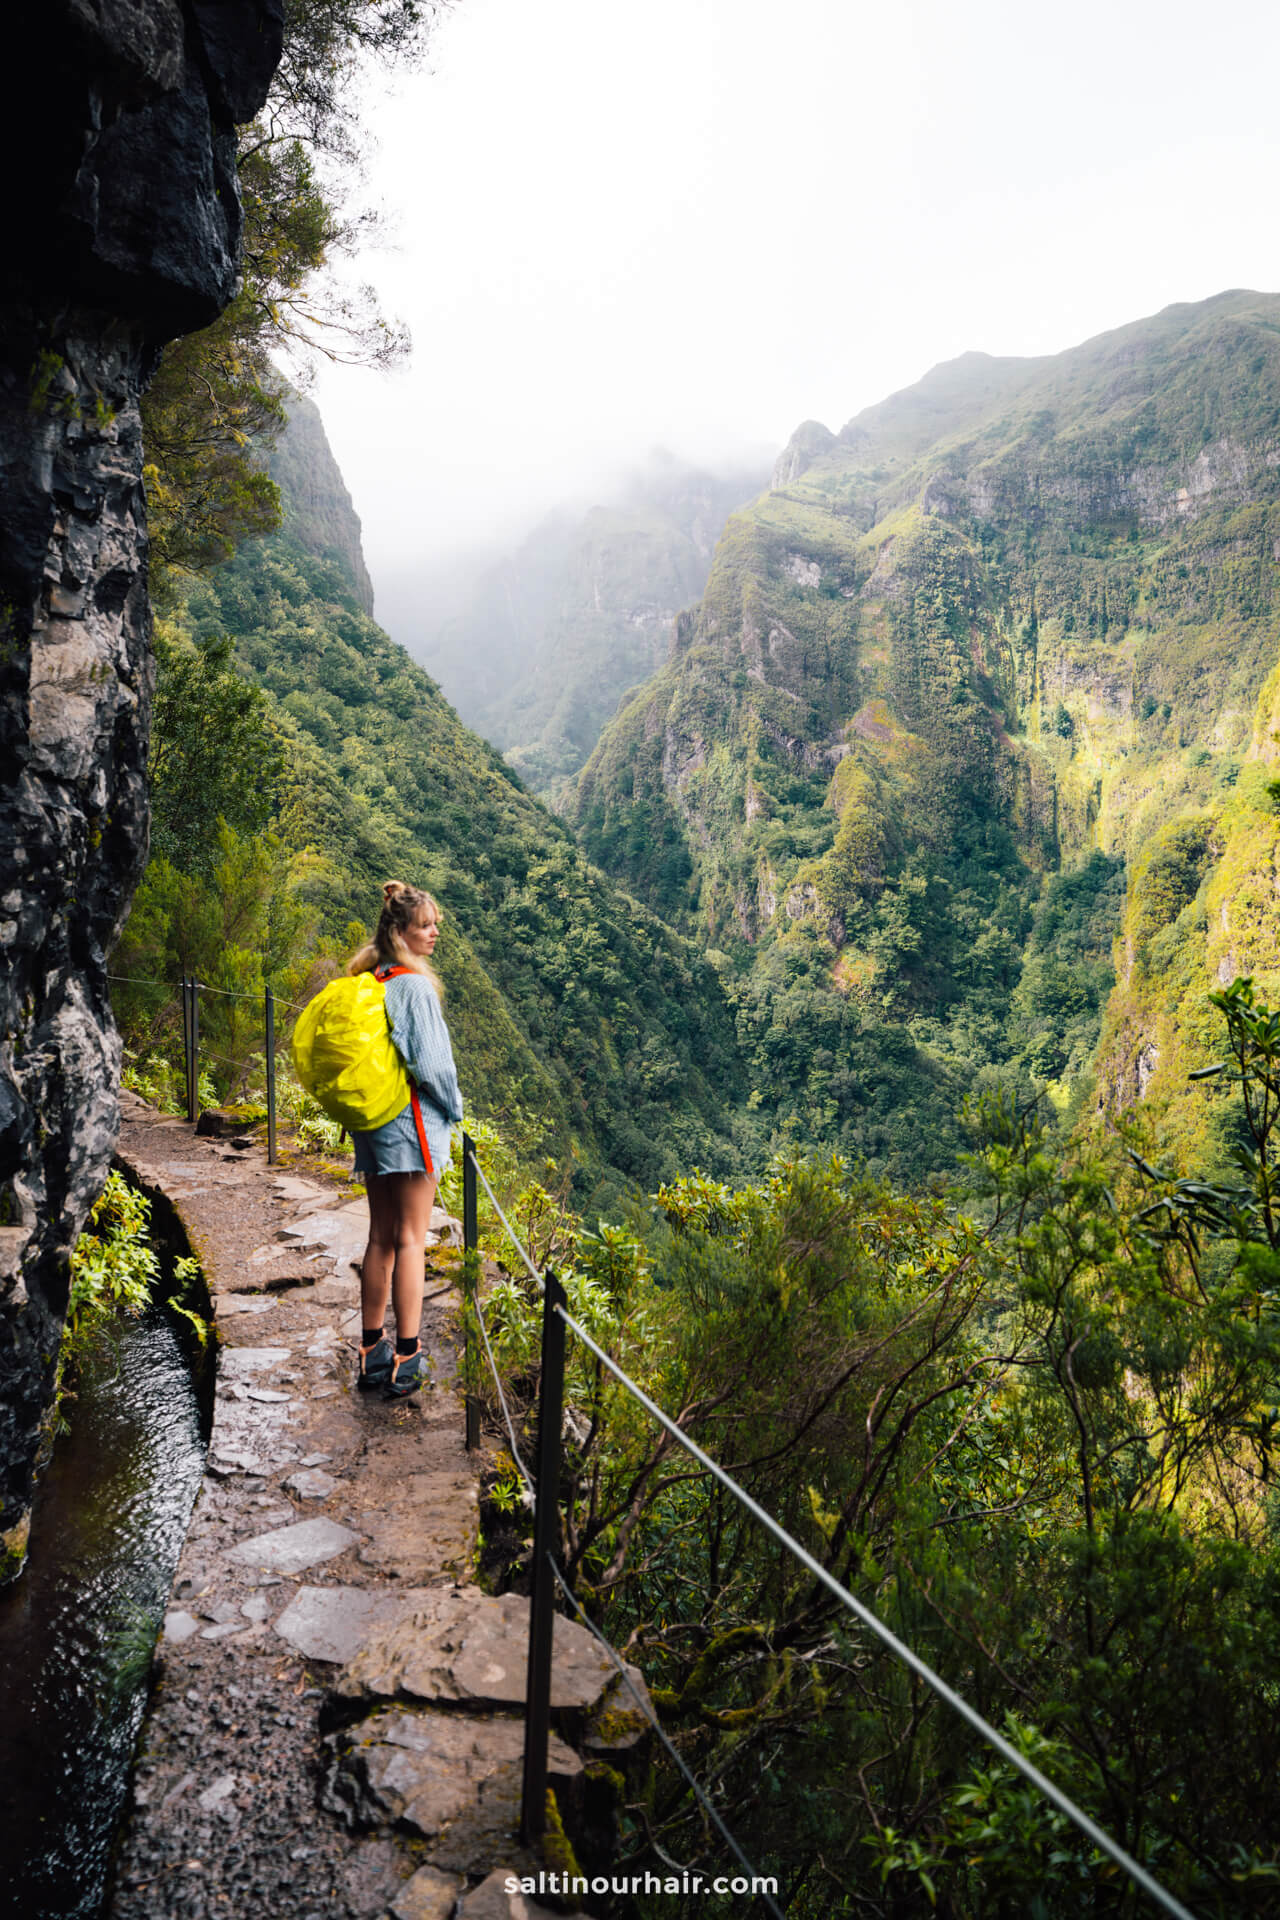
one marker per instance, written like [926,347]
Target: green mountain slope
[551,637]
[566,999]
[1016,616]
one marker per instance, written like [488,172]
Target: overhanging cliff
[123,230]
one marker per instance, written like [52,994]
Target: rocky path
[334,1729]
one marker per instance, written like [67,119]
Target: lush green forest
[300,758]
[899,988]
[1012,621]
[1031,1425]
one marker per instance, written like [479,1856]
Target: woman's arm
[422,1041]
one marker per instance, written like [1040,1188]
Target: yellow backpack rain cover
[344,1055]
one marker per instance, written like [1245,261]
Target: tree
[1038,1443]
[215,757]
[218,396]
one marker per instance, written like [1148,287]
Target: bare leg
[413,1198]
[379,1255]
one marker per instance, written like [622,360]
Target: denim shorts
[395,1148]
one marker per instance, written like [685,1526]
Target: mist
[696,227]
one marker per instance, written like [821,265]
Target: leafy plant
[113,1264]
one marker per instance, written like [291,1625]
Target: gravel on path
[310,1485]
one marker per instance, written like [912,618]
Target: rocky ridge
[317,506]
[1017,614]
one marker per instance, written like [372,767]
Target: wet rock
[427,1528]
[440,1774]
[492,1901]
[293,1549]
[460,1647]
[333,1623]
[429,1895]
[312,1484]
[239,1361]
[288,1187]
[320,1204]
[221,1790]
[445,1231]
[337,1290]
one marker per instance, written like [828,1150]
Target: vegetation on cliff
[949,826]
[1014,619]
[217,397]
[300,758]
[1032,1427]
[547,640]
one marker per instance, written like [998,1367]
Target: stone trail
[335,1725]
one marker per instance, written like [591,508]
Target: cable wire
[1091,1830]
[531,1497]
[647,1710]
[511,1232]
[227,993]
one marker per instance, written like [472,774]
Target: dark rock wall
[122,229]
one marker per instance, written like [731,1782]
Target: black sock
[406,1347]
[370,1336]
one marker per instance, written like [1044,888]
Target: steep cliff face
[552,636]
[122,230]
[1017,614]
[314,497]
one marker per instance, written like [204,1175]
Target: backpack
[345,1057]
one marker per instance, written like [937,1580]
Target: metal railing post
[470,1261]
[546,1539]
[186,1044]
[470,1231]
[269,1010]
[195,1050]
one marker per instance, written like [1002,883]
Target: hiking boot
[375,1365]
[408,1373]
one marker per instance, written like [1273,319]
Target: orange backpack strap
[422,1132]
[389,973]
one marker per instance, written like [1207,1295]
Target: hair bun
[392,889]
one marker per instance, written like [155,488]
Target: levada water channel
[77,1631]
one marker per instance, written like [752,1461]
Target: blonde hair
[403,907]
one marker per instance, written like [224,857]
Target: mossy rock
[217,1123]
[13,1550]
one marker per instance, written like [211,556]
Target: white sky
[698,222]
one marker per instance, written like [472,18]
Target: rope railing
[191,989]
[226,993]
[555,1308]
[530,1491]
[469,1151]
[646,1708]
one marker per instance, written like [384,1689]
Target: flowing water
[78,1629]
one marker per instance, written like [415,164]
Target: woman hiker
[402,1161]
